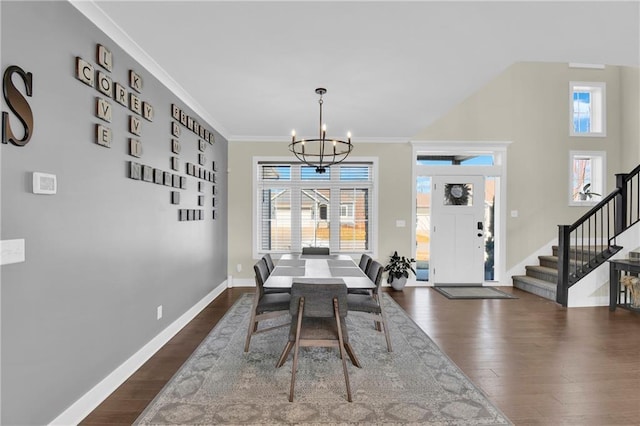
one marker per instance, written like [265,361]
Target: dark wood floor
[538,362]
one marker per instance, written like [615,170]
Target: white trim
[599,112]
[95,14]
[287,139]
[586,66]
[89,401]
[599,181]
[374,202]
[499,149]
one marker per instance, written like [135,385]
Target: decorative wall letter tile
[103,109]
[134,125]
[84,71]
[103,136]
[135,147]
[135,81]
[104,57]
[201,200]
[175,112]
[183,118]
[175,165]
[202,145]
[105,84]
[147,173]
[183,182]
[167,179]
[175,146]
[135,104]
[201,159]
[147,111]
[120,94]
[135,170]
[175,197]
[175,129]
[158,176]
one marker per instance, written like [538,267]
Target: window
[297,207]
[455,160]
[587,109]
[587,177]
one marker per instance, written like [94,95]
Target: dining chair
[265,305]
[270,267]
[269,261]
[316,250]
[318,313]
[371,304]
[365,260]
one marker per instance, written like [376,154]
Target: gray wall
[104,252]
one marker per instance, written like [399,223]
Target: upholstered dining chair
[371,304]
[365,260]
[316,250]
[269,261]
[265,305]
[270,267]
[318,312]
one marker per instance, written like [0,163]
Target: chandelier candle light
[320,153]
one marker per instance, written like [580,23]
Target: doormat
[451,292]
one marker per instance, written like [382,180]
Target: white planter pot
[398,283]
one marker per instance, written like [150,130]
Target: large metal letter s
[18,105]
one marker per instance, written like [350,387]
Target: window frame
[334,183]
[598,108]
[598,177]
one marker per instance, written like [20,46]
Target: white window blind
[297,207]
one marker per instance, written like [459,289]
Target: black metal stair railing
[591,240]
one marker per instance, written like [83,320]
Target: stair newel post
[621,204]
[562,289]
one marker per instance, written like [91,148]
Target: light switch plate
[44,183]
[11,251]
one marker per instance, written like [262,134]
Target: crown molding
[287,139]
[95,14]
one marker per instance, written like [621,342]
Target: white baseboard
[89,401]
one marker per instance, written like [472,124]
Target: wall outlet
[239,267]
[159,312]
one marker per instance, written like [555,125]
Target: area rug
[415,384]
[462,292]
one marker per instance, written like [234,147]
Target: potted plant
[586,193]
[398,270]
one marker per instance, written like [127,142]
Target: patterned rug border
[495,293]
[450,412]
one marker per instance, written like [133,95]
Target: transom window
[297,207]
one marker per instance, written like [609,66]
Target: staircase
[542,279]
[586,244]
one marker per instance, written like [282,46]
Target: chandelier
[322,152]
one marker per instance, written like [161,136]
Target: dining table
[320,269]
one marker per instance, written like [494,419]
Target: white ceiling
[391,68]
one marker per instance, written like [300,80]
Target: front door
[457,230]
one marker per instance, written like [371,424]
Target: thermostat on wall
[44,183]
